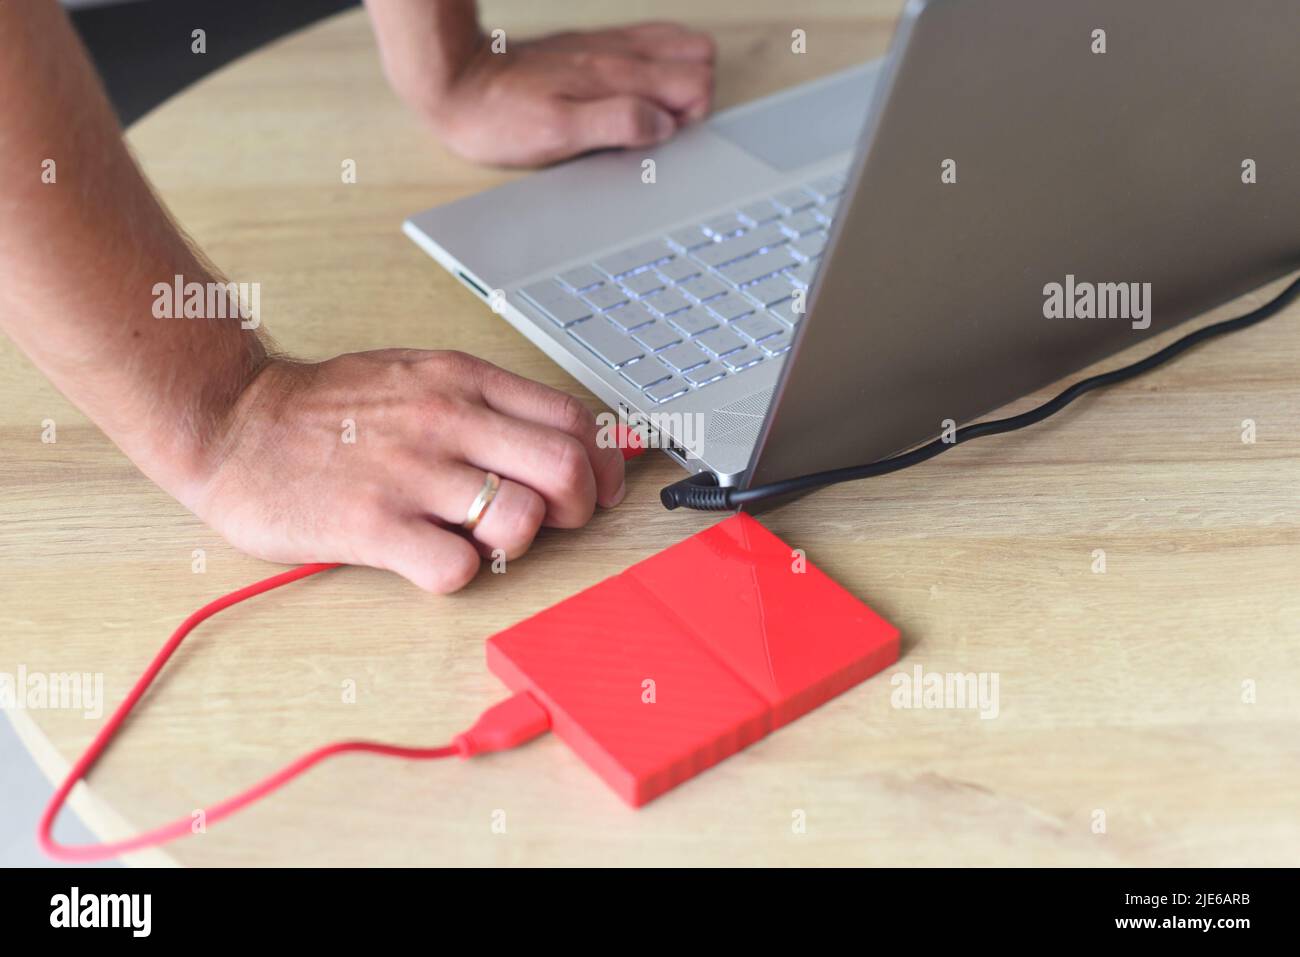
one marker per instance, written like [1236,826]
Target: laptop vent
[739,422]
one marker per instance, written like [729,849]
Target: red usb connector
[507,725]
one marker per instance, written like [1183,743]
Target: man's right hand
[375,458]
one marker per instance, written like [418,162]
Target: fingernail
[619,495]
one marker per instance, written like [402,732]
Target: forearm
[424,44]
[83,242]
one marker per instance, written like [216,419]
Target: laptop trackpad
[794,130]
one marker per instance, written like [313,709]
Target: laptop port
[472,284]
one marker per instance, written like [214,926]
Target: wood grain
[1120,692]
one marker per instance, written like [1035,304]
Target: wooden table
[1121,693]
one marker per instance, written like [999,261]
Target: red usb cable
[507,724]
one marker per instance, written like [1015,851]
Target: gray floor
[23,793]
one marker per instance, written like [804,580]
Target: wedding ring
[486,494]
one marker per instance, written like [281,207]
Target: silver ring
[491,485]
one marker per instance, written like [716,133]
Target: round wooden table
[1147,713]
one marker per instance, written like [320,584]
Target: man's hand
[549,99]
[541,101]
[287,481]
[257,446]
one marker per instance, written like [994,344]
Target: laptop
[845,269]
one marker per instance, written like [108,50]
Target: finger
[674,85]
[551,463]
[531,401]
[616,121]
[429,557]
[509,523]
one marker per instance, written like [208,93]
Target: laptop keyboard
[702,303]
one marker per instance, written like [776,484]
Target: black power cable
[702,492]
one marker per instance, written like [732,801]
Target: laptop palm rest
[805,125]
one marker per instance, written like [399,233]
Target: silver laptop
[835,273]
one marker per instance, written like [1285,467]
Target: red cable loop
[182,827]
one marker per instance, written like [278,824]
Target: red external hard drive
[665,669]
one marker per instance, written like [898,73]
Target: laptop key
[758,326]
[763,211]
[743,359]
[803,274]
[730,306]
[666,302]
[606,296]
[738,247]
[675,270]
[723,226]
[635,257]
[692,237]
[703,288]
[693,321]
[561,307]
[771,290]
[793,200]
[643,283]
[776,345]
[658,336]
[756,267]
[810,246]
[705,374]
[721,341]
[630,316]
[610,345]
[645,372]
[786,312]
[684,357]
[583,277]
[668,389]
[801,223]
